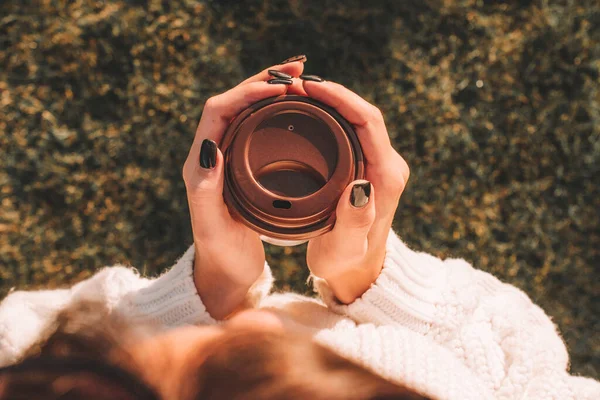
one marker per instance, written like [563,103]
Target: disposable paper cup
[287,161]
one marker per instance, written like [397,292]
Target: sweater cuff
[405,293]
[172,299]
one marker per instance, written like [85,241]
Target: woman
[208,328]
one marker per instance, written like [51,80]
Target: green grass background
[494,104]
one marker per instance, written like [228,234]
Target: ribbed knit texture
[440,327]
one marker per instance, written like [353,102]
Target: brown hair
[83,361]
[261,365]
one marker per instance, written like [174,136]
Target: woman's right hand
[350,256]
[229,256]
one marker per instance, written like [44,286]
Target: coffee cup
[287,161]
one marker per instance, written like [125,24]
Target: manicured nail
[279,74]
[208,154]
[280,81]
[300,57]
[359,197]
[313,78]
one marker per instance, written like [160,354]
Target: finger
[293,69]
[355,213]
[221,109]
[366,118]
[296,87]
[355,210]
[203,178]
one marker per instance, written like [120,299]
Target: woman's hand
[350,256]
[229,256]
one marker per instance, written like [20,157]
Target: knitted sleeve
[167,301]
[493,327]
[415,361]
[172,300]
[409,290]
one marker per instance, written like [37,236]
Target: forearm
[220,294]
[406,291]
[450,301]
[353,283]
[224,291]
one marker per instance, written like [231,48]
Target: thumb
[203,176]
[355,213]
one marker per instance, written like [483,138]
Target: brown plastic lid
[287,161]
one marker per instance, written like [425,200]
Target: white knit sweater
[441,327]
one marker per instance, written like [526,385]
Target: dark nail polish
[279,74]
[280,81]
[300,57]
[208,154]
[359,197]
[312,78]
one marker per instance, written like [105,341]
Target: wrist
[220,293]
[353,283]
[236,267]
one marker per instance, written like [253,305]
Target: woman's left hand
[350,256]
[229,256]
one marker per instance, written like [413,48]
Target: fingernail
[300,57]
[279,74]
[312,78]
[359,197]
[279,81]
[208,154]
